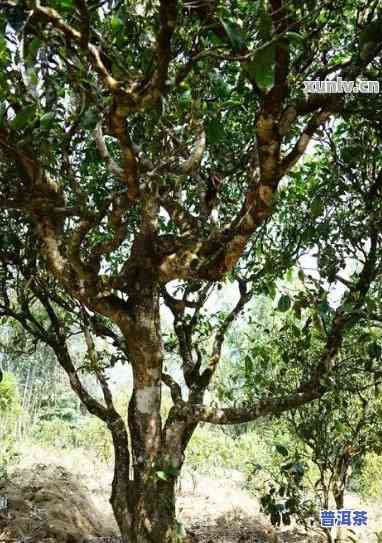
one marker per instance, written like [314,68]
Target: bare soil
[61,497]
[219,510]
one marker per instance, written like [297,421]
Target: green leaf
[89,119]
[47,120]
[295,331]
[34,46]
[32,75]
[284,303]
[285,356]
[323,308]
[301,275]
[215,131]
[116,23]
[281,449]
[316,208]
[185,97]
[24,117]
[180,530]
[265,24]
[213,38]
[234,33]
[374,350]
[369,364]
[294,37]
[66,4]
[248,365]
[162,475]
[289,275]
[262,67]
[3,48]
[340,428]
[297,309]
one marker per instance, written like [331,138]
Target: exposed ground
[65,500]
[221,511]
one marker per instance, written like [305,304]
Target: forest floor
[61,497]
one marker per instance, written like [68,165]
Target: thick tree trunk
[154,518]
[151,494]
[339,485]
[150,513]
[339,491]
[145,506]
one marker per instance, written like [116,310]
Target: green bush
[89,433]
[60,425]
[9,395]
[56,433]
[93,433]
[10,410]
[210,448]
[58,418]
[8,453]
[370,477]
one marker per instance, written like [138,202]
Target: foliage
[369,479]
[9,395]
[211,450]
[289,499]
[8,453]
[62,405]
[93,433]
[148,155]
[10,410]
[56,432]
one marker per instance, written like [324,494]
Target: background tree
[344,424]
[36,370]
[142,146]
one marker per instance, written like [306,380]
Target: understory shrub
[10,411]
[370,477]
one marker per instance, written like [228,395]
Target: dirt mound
[219,510]
[47,504]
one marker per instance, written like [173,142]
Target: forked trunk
[144,507]
[150,514]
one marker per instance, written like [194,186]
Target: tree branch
[104,153]
[214,359]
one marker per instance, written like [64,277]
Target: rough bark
[121,494]
[340,478]
[152,504]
